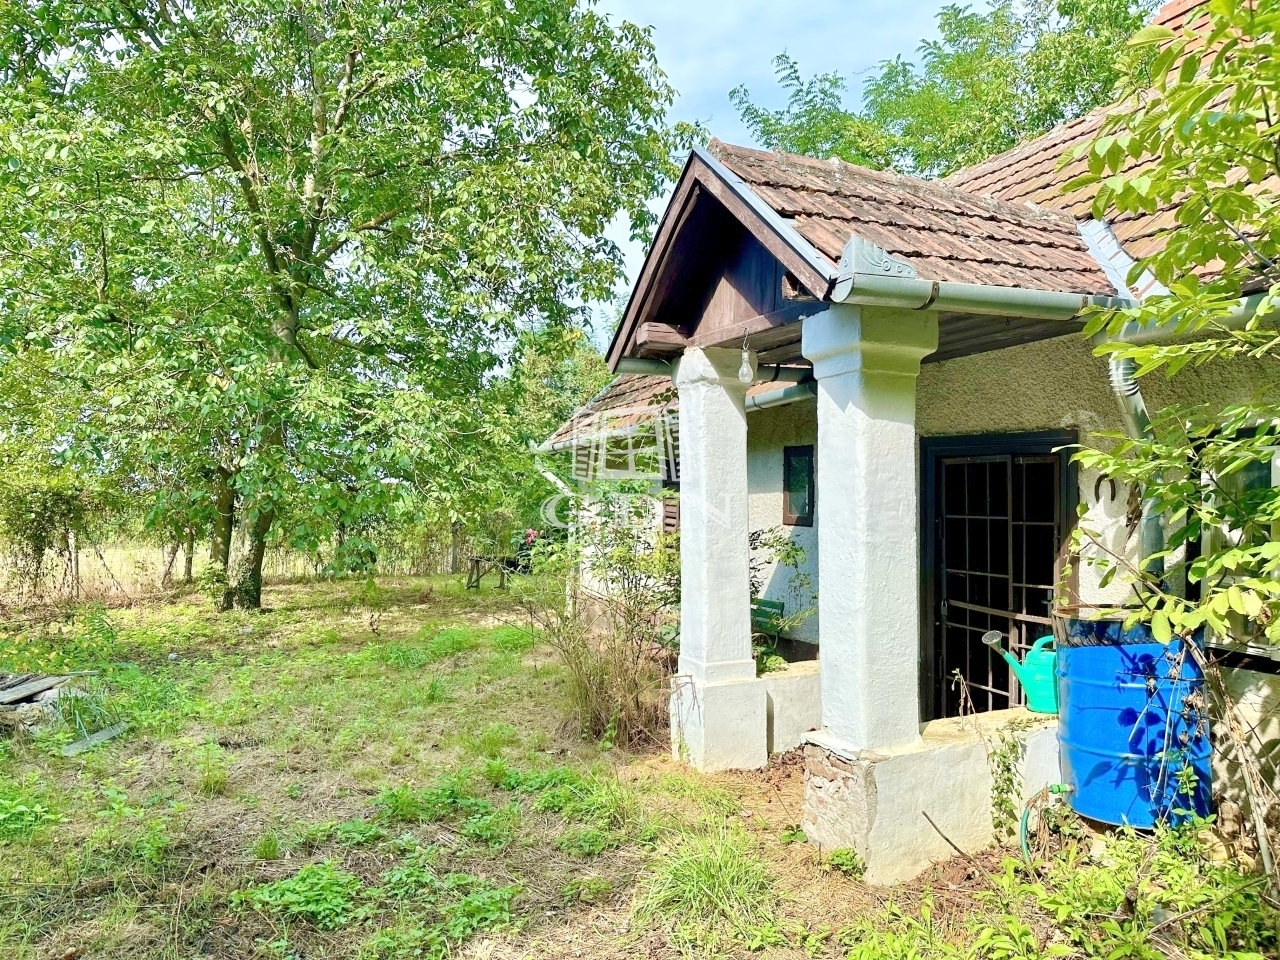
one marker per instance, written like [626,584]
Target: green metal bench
[766,617]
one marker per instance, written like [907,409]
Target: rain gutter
[778,398]
[870,276]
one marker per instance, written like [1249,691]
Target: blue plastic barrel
[1133,727]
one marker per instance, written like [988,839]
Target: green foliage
[709,889]
[406,943]
[624,581]
[493,828]
[40,514]
[414,877]
[994,77]
[21,813]
[1193,136]
[319,893]
[450,797]
[814,122]
[267,262]
[211,768]
[792,834]
[1004,758]
[847,861]
[267,846]
[483,907]
[586,890]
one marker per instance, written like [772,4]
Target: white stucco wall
[768,431]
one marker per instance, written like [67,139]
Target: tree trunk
[220,542]
[189,556]
[246,574]
[166,579]
[455,548]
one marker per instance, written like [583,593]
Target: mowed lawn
[386,771]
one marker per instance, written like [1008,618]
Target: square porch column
[718,705]
[866,360]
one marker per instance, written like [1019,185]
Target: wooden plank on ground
[30,688]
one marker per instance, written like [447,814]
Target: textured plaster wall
[768,431]
[1059,384]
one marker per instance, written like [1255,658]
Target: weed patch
[319,893]
[22,813]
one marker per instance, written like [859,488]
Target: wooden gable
[718,273]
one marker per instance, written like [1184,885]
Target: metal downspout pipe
[1137,423]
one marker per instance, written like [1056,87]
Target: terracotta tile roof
[946,233]
[627,401]
[1029,172]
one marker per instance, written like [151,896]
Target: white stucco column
[866,360]
[718,706]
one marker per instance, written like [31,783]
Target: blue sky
[708,48]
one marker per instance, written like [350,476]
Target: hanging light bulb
[745,373]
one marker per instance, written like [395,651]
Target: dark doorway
[996,510]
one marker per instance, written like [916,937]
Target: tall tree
[991,79]
[280,245]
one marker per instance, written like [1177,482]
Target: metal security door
[1000,528]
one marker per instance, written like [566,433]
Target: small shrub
[792,834]
[358,833]
[613,637]
[85,709]
[496,828]
[847,861]
[450,797]
[211,766]
[587,841]
[406,943]
[318,893]
[437,691]
[415,876]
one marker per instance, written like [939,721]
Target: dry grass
[264,743]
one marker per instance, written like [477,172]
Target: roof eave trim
[872,277]
[788,233]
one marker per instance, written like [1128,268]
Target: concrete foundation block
[719,726]
[876,803]
[794,704]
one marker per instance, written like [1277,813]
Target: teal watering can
[1038,671]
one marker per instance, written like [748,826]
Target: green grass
[309,782]
[711,888]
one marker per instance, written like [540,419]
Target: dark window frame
[932,450]
[789,517]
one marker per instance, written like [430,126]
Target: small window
[797,486]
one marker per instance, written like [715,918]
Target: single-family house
[891,371]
